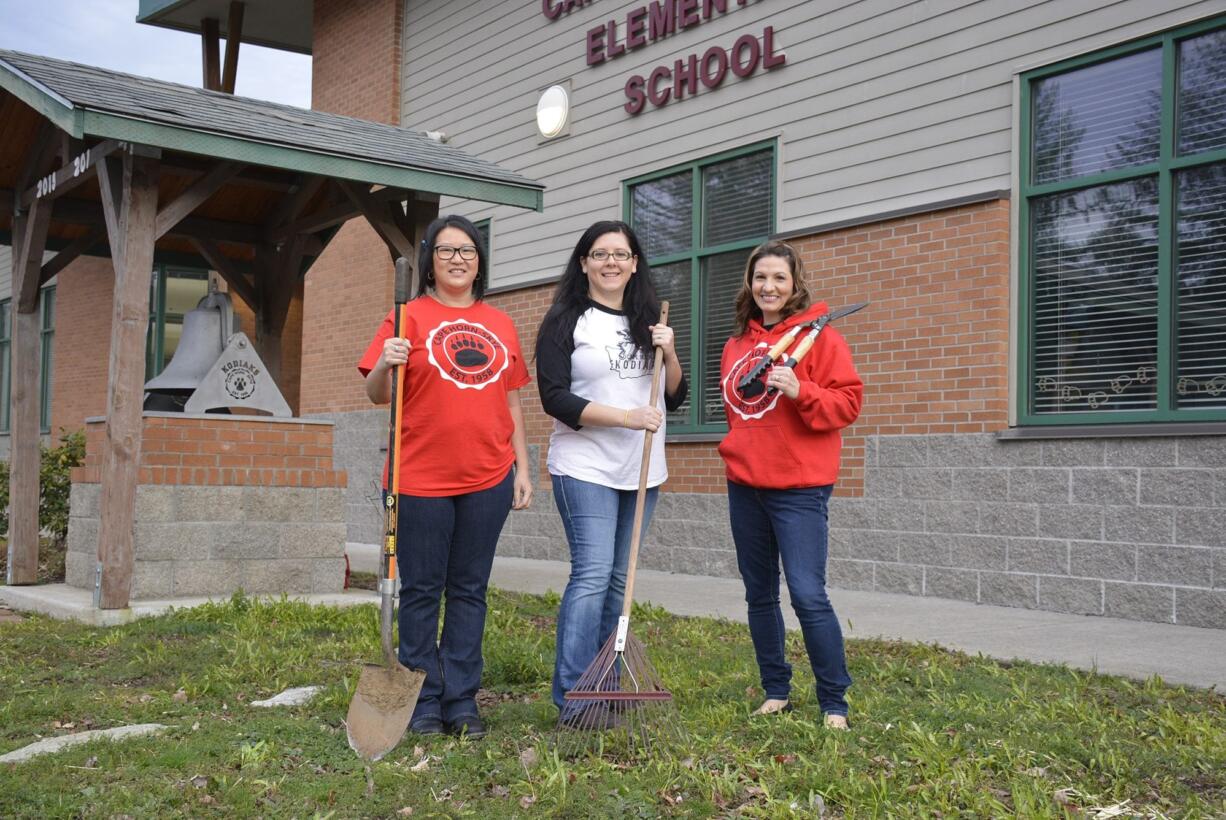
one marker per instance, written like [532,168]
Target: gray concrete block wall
[359,447]
[215,540]
[1131,528]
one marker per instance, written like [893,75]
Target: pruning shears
[751,385]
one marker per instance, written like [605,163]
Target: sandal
[773,706]
[837,722]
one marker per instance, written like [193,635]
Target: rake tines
[619,704]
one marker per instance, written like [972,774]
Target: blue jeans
[769,525]
[598,522]
[445,549]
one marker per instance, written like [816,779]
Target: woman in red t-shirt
[463,464]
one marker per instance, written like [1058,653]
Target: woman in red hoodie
[781,457]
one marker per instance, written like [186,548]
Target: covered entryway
[102,163]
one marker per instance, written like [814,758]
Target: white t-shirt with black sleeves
[601,364]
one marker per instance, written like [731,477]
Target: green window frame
[46,333]
[713,258]
[6,368]
[46,311]
[1110,330]
[484,227]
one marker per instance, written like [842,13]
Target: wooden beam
[422,212]
[73,173]
[79,212]
[253,176]
[111,183]
[210,44]
[24,397]
[125,382]
[69,254]
[234,38]
[44,148]
[380,218]
[286,265]
[196,195]
[29,245]
[228,271]
[314,222]
[290,208]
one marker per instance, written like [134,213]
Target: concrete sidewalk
[1137,649]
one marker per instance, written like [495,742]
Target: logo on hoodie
[755,401]
[467,354]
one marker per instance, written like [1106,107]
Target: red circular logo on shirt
[754,401]
[467,354]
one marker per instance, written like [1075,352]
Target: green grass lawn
[934,733]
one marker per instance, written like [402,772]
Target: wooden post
[126,378]
[210,43]
[30,240]
[234,36]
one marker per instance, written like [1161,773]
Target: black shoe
[469,725]
[427,725]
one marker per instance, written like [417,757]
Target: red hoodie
[777,443]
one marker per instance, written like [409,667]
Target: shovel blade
[381,708]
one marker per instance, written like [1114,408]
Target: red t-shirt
[456,428]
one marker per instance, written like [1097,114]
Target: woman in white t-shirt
[594,357]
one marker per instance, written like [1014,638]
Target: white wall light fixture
[553,111]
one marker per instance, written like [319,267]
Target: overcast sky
[105,33]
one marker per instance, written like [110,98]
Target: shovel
[383,703]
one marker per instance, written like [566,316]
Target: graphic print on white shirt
[467,354]
[759,402]
[625,358]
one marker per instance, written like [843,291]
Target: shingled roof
[89,101]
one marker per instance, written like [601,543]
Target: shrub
[54,483]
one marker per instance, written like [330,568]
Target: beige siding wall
[883,104]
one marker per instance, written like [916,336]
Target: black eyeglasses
[467,252]
[601,255]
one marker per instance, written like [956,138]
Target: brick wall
[931,347]
[83,310]
[347,292]
[224,451]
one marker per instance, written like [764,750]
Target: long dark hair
[747,308]
[570,298]
[425,256]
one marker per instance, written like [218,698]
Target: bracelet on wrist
[626,419]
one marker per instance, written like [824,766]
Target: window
[6,346]
[172,293]
[698,222]
[1123,220]
[46,312]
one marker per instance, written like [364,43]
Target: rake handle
[640,500]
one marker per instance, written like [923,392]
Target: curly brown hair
[800,299]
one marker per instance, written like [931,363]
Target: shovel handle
[387,582]
[640,500]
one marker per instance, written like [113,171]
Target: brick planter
[223,503]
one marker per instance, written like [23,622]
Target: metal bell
[206,329]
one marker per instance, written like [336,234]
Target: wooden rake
[620,692]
